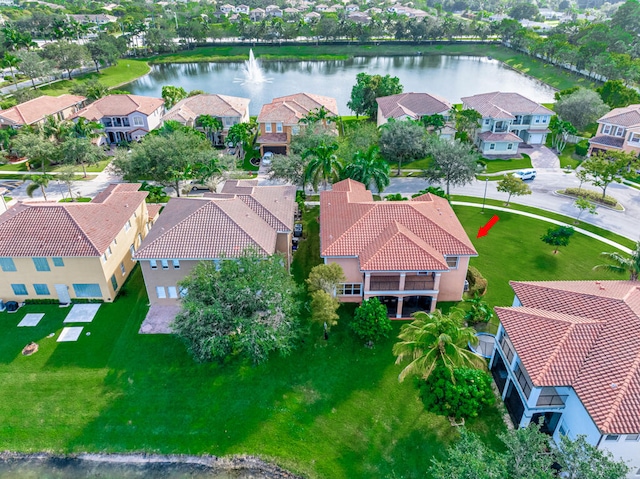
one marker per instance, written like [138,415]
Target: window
[510,146]
[58,261]
[132,249]
[109,252]
[295,130]
[153,263]
[160,292]
[41,289]
[164,263]
[138,121]
[19,289]
[91,290]
[127,225]
[7,264]
[107,122]
[139,238]
[545,119]
[507,348]
[104,257]
[492,146]
[183,292]
[267,127]
[279,127]
[123,270]
[114,282]
[41,264]
[117,121]
[349,289]
[537,119]
[173,292]
[619,131]
[115,241]
[486,121]
[176,264]
[632,437]
[634,138]
[612,437]
[606,129]
[452,262]
[523,380]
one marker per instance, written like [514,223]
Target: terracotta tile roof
[400,236]
[68,229]
[119,105]
[607,141]
[414,105]
[268,138]
[222,225]
[37,109]
[628,116]
[490,136]
[504,105]
[206,104]
[290,109]
[583,334]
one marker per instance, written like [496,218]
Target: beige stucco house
[410,254]
[189,230]
[64,251]
[230,110]
[34,112]
[124,117]
[279,120]
[413,106]
[508,119]
[618,130]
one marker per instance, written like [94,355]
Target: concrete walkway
[543,157]
[548,220]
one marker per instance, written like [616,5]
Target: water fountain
[253,73]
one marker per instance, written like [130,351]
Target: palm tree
[368,168]
[210,124]
[435,339]
[84,128]
[38,181]
[324,165]
[12,62]
[623,265]
[68,175]
[56,130]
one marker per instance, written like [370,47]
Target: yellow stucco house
[409,254]
[64,251]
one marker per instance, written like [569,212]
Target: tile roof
[206,104]
[504,105]
[399,236]
[290,109]
[583,334]
[607,141]
[119,105]
[243,216]
[37,109]
[508,136]
[628,116]
[414,105]
[266,138]
[68,229]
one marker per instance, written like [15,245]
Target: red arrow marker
[485,229]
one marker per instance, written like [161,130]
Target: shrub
[591,195]
[466,397]
[371,322]
[395,197]
[477,283]
[582,147]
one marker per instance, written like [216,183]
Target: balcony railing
[501,129]
[418,284]
[384,283]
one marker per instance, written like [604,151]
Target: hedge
[591,195]
[477,282]
[582,147]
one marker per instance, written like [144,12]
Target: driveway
[543,157]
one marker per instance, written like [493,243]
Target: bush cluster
[582,147]
[477,283]
[591,195]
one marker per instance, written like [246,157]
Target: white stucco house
[568,353]
[508,119]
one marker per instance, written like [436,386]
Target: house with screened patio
[65,251]
[567,354]
[409,254]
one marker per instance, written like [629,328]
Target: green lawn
[568,157]
[333,409]
[125,71]
[495,166]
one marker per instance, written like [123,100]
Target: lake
[450,77]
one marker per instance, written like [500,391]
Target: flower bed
[591,195]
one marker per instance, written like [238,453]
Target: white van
[528,174]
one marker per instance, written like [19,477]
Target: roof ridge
[556,352]
[242,196]
[242,229]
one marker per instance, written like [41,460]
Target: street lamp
[484,199]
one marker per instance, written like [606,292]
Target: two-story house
[34,112]
[279,120]
[63,251]
[508,119]
[125,118]
[568,353]
[618,130]
[211,228]
[409,254]
[413,106]
[230,110]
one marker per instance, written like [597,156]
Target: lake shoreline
[250,465]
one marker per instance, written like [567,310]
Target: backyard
[333,409]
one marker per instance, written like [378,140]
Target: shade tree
[451,163]
[581,108]
[402,141]
[513,186]
[367,89]
[371,321]
[558,236]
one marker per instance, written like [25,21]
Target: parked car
[266,158]
[297,230]
[528,174]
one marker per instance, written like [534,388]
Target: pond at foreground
[450,77]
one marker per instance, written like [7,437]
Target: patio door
[63,293]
